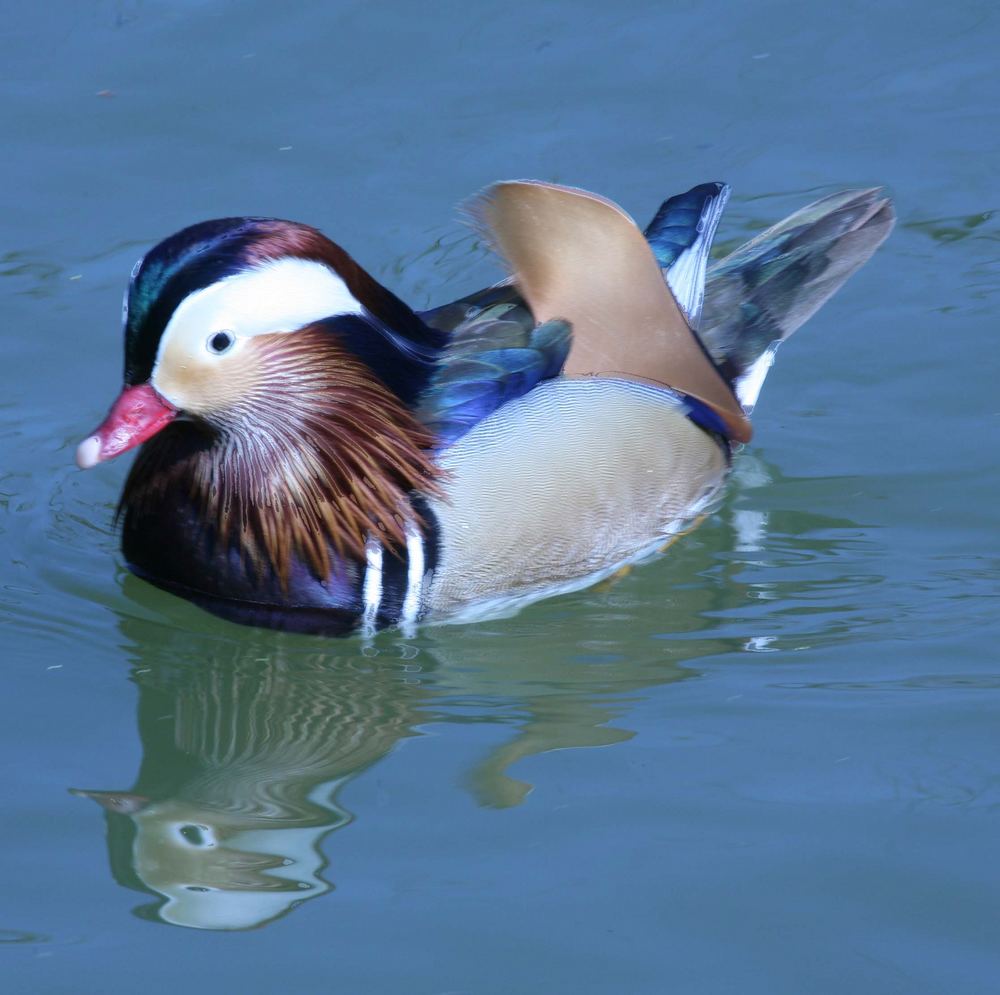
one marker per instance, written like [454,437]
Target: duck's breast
[563,486]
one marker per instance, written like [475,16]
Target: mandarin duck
[317,456]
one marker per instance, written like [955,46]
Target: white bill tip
[88,453]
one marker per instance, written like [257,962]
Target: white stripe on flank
[414,578]
[372,590]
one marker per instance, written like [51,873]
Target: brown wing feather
[581,258]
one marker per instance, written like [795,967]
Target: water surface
[797,708]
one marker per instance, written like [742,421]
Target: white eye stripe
[280,296]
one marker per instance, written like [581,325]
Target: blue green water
[797,787]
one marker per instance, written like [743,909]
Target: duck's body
[321,458]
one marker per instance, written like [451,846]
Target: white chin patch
[279,296]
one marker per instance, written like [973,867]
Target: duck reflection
[249,738]
[243,759]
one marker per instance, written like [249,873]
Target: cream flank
[561,487]
[280,296]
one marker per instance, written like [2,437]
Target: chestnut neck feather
[315,456]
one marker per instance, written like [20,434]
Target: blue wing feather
[681,236]
[494,355]
[675,227]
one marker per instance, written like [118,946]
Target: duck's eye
[220,342]
[195,835]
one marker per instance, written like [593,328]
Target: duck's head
[274,381]
[212,312]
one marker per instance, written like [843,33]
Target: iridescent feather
[496,354]
[757,296]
